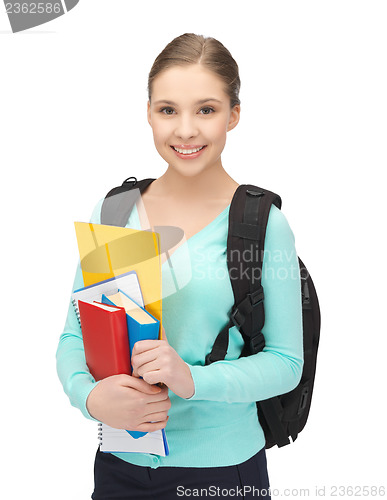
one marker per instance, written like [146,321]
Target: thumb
[164,335]
[140,385]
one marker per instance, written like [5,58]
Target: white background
[313,128]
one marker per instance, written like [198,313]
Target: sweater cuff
[84,388]
[204,386]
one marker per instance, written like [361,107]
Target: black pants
[116,479]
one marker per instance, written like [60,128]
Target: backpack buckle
[305,295]
[257,342]
[237,318]
[251,192]
[303,399]
[251,300]
[256,297]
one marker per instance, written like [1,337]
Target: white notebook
[127,282]
[119,441]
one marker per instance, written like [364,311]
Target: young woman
[216,443]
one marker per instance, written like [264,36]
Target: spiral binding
[76,310]
[100,433]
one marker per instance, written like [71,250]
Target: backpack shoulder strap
[246,242]
[119,202]
[248,216]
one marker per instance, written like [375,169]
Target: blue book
[141,325]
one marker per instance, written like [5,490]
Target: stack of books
[113,318]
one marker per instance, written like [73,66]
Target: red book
[105,339]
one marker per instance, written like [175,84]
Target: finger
[148,367]
[152,426]
[159,416]
[164,335]
[151,399]
[141,359]
[145,345]
[153,377]
[160,406]
[139,385]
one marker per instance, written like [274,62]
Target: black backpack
[281,417]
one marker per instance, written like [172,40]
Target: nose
[186,127]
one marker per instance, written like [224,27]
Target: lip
[187,146]
[190,156]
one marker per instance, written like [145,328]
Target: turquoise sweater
[218,426]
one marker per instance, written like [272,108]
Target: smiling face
[190,116]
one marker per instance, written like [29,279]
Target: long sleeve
[70,356]
[278,368]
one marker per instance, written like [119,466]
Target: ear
[234,117]
[149,114]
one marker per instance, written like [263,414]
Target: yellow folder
[108,251]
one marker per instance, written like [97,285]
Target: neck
[213,183]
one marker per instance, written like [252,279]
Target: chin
[187,169]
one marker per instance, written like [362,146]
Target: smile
[188,151]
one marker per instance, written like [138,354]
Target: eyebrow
[202,101]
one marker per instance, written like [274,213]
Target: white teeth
[187,151]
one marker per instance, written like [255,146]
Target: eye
[207,110]
[167,110]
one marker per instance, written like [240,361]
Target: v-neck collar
[209,225]
[196,235]
[199,233]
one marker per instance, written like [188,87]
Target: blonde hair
[196,49]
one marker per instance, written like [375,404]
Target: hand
[156,361]
[126,402]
